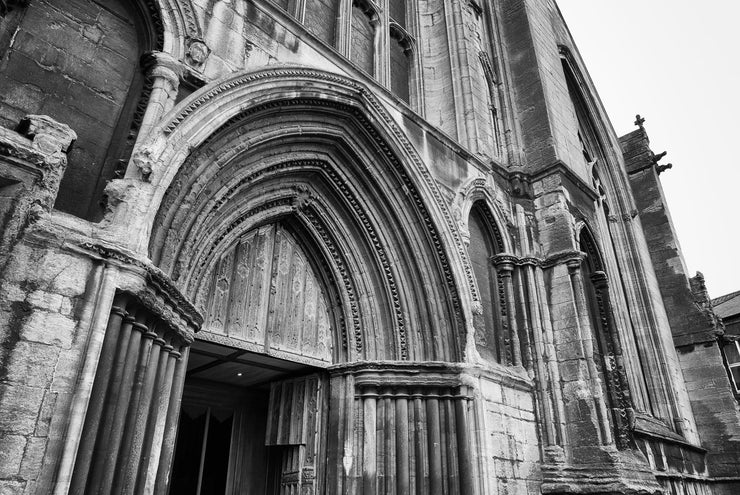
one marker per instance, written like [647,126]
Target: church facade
[338,247]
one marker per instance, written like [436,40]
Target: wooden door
[293,426]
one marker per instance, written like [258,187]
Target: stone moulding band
[369,101]
[158,294]
[562,258]
[313,218]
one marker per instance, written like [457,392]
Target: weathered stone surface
[49,328]
[33,457]
[357,138]
[11,454]
[19,408]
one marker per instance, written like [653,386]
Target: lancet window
[731,352]
[362,37]
[588,136]
[379,42]
[319,19]
[489,82]
[649,393]
[483,246]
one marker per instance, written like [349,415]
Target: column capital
[600,280]
[164,65]
[504,263]
[572,259]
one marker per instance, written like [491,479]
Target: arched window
[362,49]
[592,148]
[593,274]
[84,73]
[320,19]
[484,245]
[608,352]
[493,101]
[400,56]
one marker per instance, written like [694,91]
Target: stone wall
[696,330]
[512,448]
[45,313]
[76,62]
[287,128]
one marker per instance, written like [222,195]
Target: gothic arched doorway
[251,409]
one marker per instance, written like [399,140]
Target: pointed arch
[483,190]
[587,244]
[486,242]
[608,345]
[320,151]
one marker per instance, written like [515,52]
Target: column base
[611,472]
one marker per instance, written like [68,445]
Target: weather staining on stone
[337,246]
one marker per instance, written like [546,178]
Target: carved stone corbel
[197,53]
[32,162]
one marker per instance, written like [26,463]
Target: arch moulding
[482,189]
[136,199]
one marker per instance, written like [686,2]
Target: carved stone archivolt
[358,100]
[237,180]
[480,189]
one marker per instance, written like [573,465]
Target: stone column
[127,440]
[344,21]
[544,362]
[620,391]
[505,267]
[583,406]
[588,338]
[163,73]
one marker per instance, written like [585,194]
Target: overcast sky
[677,63]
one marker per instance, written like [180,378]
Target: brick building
[334,246]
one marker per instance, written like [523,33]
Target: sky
[677,63]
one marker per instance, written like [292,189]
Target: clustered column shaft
[414,440]
[131,404]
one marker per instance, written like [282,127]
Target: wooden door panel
[265,291]
[293,425]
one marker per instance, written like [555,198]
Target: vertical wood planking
[264,290]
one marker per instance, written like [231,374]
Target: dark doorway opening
[232,400]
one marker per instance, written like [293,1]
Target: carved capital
[572,259]
[158,294]
[504,263]
[162,65]
[600,280]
